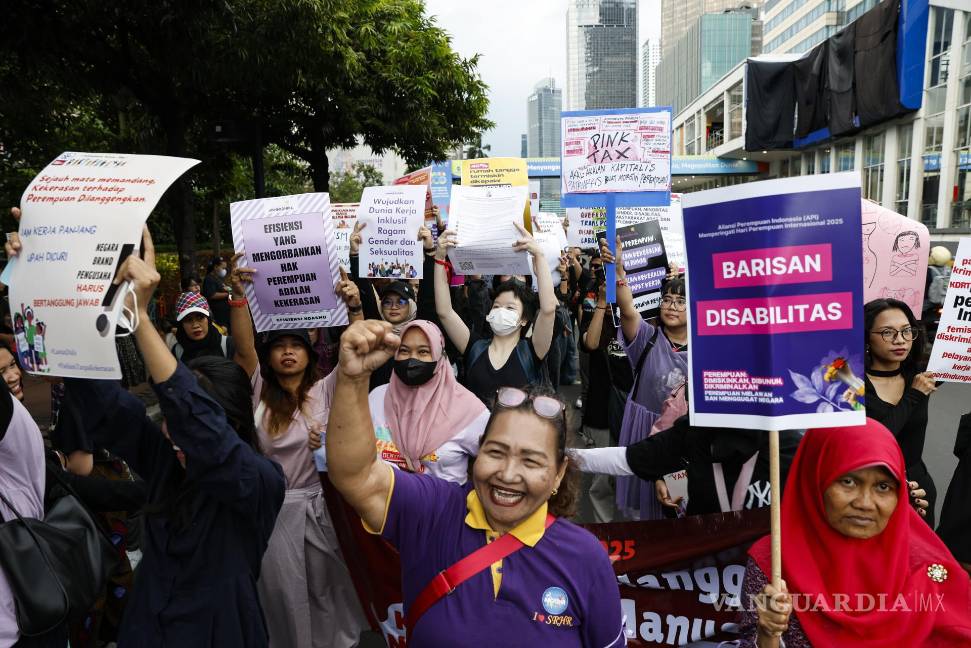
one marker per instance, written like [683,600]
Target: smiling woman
[553,579]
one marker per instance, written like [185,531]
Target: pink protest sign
[895,250]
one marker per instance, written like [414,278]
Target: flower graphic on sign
[833,385]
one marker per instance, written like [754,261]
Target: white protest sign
[668,217]
[343,216]
[616,151]
[81,217]
[583,224]
[290,242]
[389,242]
[548,232]
[950,359]
[485,219]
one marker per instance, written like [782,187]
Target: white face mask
[128,318]
[503,321]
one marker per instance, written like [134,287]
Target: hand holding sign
[526,243]
[239,275]
[425,236]
[446,241]
[348,291]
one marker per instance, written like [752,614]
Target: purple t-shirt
[562,592]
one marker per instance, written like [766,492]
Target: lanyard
[741,484]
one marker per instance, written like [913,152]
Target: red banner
[680,580]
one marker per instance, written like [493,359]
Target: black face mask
[414,372]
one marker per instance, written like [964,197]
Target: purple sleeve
[603,620]
[635,347]
[419,507]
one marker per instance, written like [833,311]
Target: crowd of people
[435,414]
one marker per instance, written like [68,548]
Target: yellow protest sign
[495,172]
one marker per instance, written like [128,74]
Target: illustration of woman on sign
[903,263]
[869,256]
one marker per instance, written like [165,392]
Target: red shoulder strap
[445,582]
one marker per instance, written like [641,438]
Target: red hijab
[424,417]
[818,559]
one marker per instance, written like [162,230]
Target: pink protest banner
[895,250]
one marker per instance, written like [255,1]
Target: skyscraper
[650,57]
[796,26]
[678,16]
[601,54]
[543,117]
[524,148]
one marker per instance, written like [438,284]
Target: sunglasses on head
[388,302]
[545,406]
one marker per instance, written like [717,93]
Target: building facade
[601,54]
[678,16]
[650,57]
[710,48]
[796,26]
[391,165]
[918,165]
[543,119]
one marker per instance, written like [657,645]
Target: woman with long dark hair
[304,586]
[896,390]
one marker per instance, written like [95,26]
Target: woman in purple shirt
[557,589]
[659,358]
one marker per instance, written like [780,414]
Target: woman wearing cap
[305,589]
[548,582]
[864,569]
[508,358]
[196,335]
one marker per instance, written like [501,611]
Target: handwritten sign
[895,250]
[343,216]
[389,246]
[81,217]
[616,151]
[290,241]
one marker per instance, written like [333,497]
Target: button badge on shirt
[555,601]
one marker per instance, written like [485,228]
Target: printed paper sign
[646,264]
[611,151]
[290,242]
[950,358]
[389,242]
[583,225]
[484,219]
[775,303]
[668,217]
[81,218]
[548,232]
[895,251]
[343,216]
[494,172]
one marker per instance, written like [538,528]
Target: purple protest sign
[290,242]
[775,292]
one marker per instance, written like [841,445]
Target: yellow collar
[529,531]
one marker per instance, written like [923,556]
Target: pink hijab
[425,417]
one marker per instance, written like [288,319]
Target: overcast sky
[520,42]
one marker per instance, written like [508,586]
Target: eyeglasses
[388,302]
[908,334]
[674,304]
[545,406]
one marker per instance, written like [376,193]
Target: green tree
[346,187]
[402,89]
